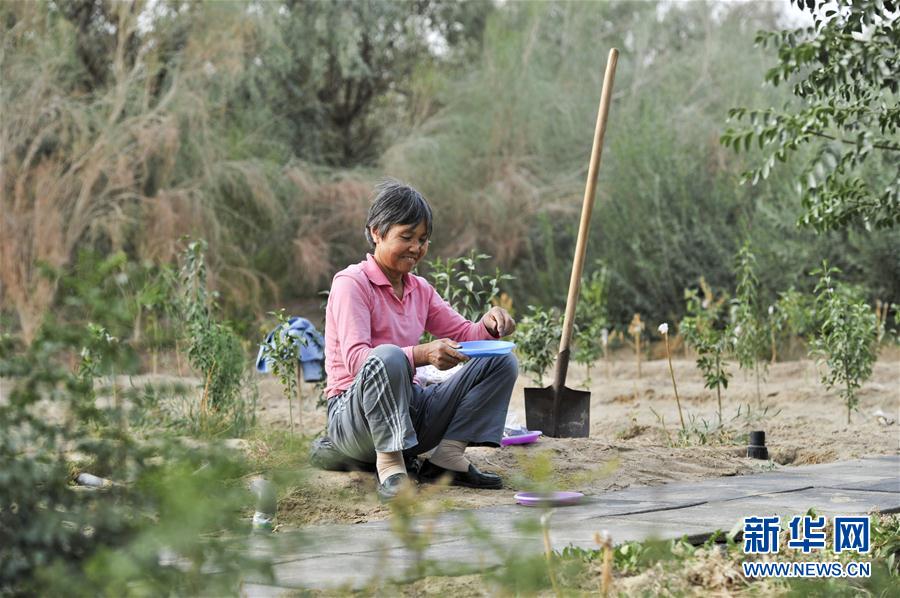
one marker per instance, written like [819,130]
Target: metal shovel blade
[560,412]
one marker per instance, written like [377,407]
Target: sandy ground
[628,444]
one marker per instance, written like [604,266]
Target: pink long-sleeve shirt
[363,312]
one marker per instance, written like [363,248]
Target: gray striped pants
[384,411]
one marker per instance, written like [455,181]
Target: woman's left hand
[498,322]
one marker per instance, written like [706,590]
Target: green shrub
[590,319]
[845,339]
[748,324]
[214,350]
[457,280]
[285,355]
[792,320]
[537,341]
[705,331]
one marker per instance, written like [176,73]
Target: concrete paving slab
[336,540]
[348,571]
[651,508]
[504,520]
[729,488]
[728,516]
[857,472]
[621,529]
[880,486]
[507,520]
[356,556]
[261,590]
[710,516]
[610,503]
[830,501]
[354,571]
[895,459]
[884,466]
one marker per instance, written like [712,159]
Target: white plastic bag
[428,374]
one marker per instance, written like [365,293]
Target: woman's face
[401,248]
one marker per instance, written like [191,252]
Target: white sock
[450,454]
[388,464]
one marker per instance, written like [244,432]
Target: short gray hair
[396,203]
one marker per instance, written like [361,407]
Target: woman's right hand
[442,354]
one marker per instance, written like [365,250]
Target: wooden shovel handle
[586,209]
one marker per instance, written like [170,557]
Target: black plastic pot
[757,447]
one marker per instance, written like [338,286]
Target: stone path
[352,556]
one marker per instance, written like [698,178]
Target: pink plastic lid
[548,499]
[528,438]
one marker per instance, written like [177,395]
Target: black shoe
[473,478]
[412,466]
[391,487]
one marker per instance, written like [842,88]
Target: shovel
[557,410]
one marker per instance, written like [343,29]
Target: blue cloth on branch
[310,348]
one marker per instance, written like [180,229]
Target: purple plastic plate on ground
[548,499]
[485,348]
[526,438]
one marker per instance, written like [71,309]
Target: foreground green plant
[166,524]
[714,567]
[522,572]
[413,515]
[604,540]
[548,549]
[632,557]
[846,336]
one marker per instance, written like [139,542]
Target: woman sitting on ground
[377,312]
